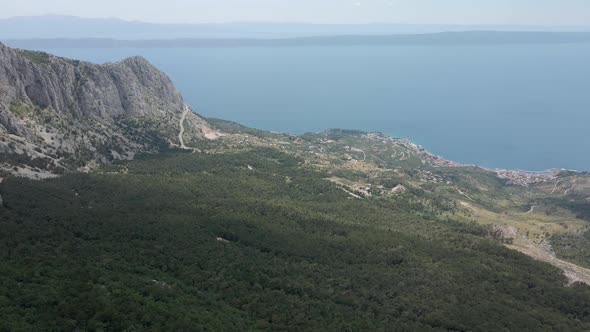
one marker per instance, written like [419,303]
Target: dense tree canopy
[189,242]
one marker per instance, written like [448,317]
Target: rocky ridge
[59,115]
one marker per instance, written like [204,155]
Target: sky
[526,12]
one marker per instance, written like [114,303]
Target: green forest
[252,241]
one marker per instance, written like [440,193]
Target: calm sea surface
[525,107]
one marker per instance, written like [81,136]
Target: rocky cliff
[59,115]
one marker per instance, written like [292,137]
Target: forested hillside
[245,230]
[252,240]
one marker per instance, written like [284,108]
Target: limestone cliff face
[58,114]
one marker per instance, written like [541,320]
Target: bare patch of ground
[543,252]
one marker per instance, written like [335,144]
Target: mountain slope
[529,211]
[233,228]
[252,241]
[58,115]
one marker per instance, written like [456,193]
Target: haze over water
[513,106]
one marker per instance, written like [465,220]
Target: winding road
[185,111]
[359,150]
[555,187]
[572,187]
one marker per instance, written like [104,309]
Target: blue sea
[513,106]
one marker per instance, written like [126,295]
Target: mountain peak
[137,59]
[58,114]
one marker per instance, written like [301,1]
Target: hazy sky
[541,12]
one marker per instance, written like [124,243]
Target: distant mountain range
[436,39]
[54,26]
